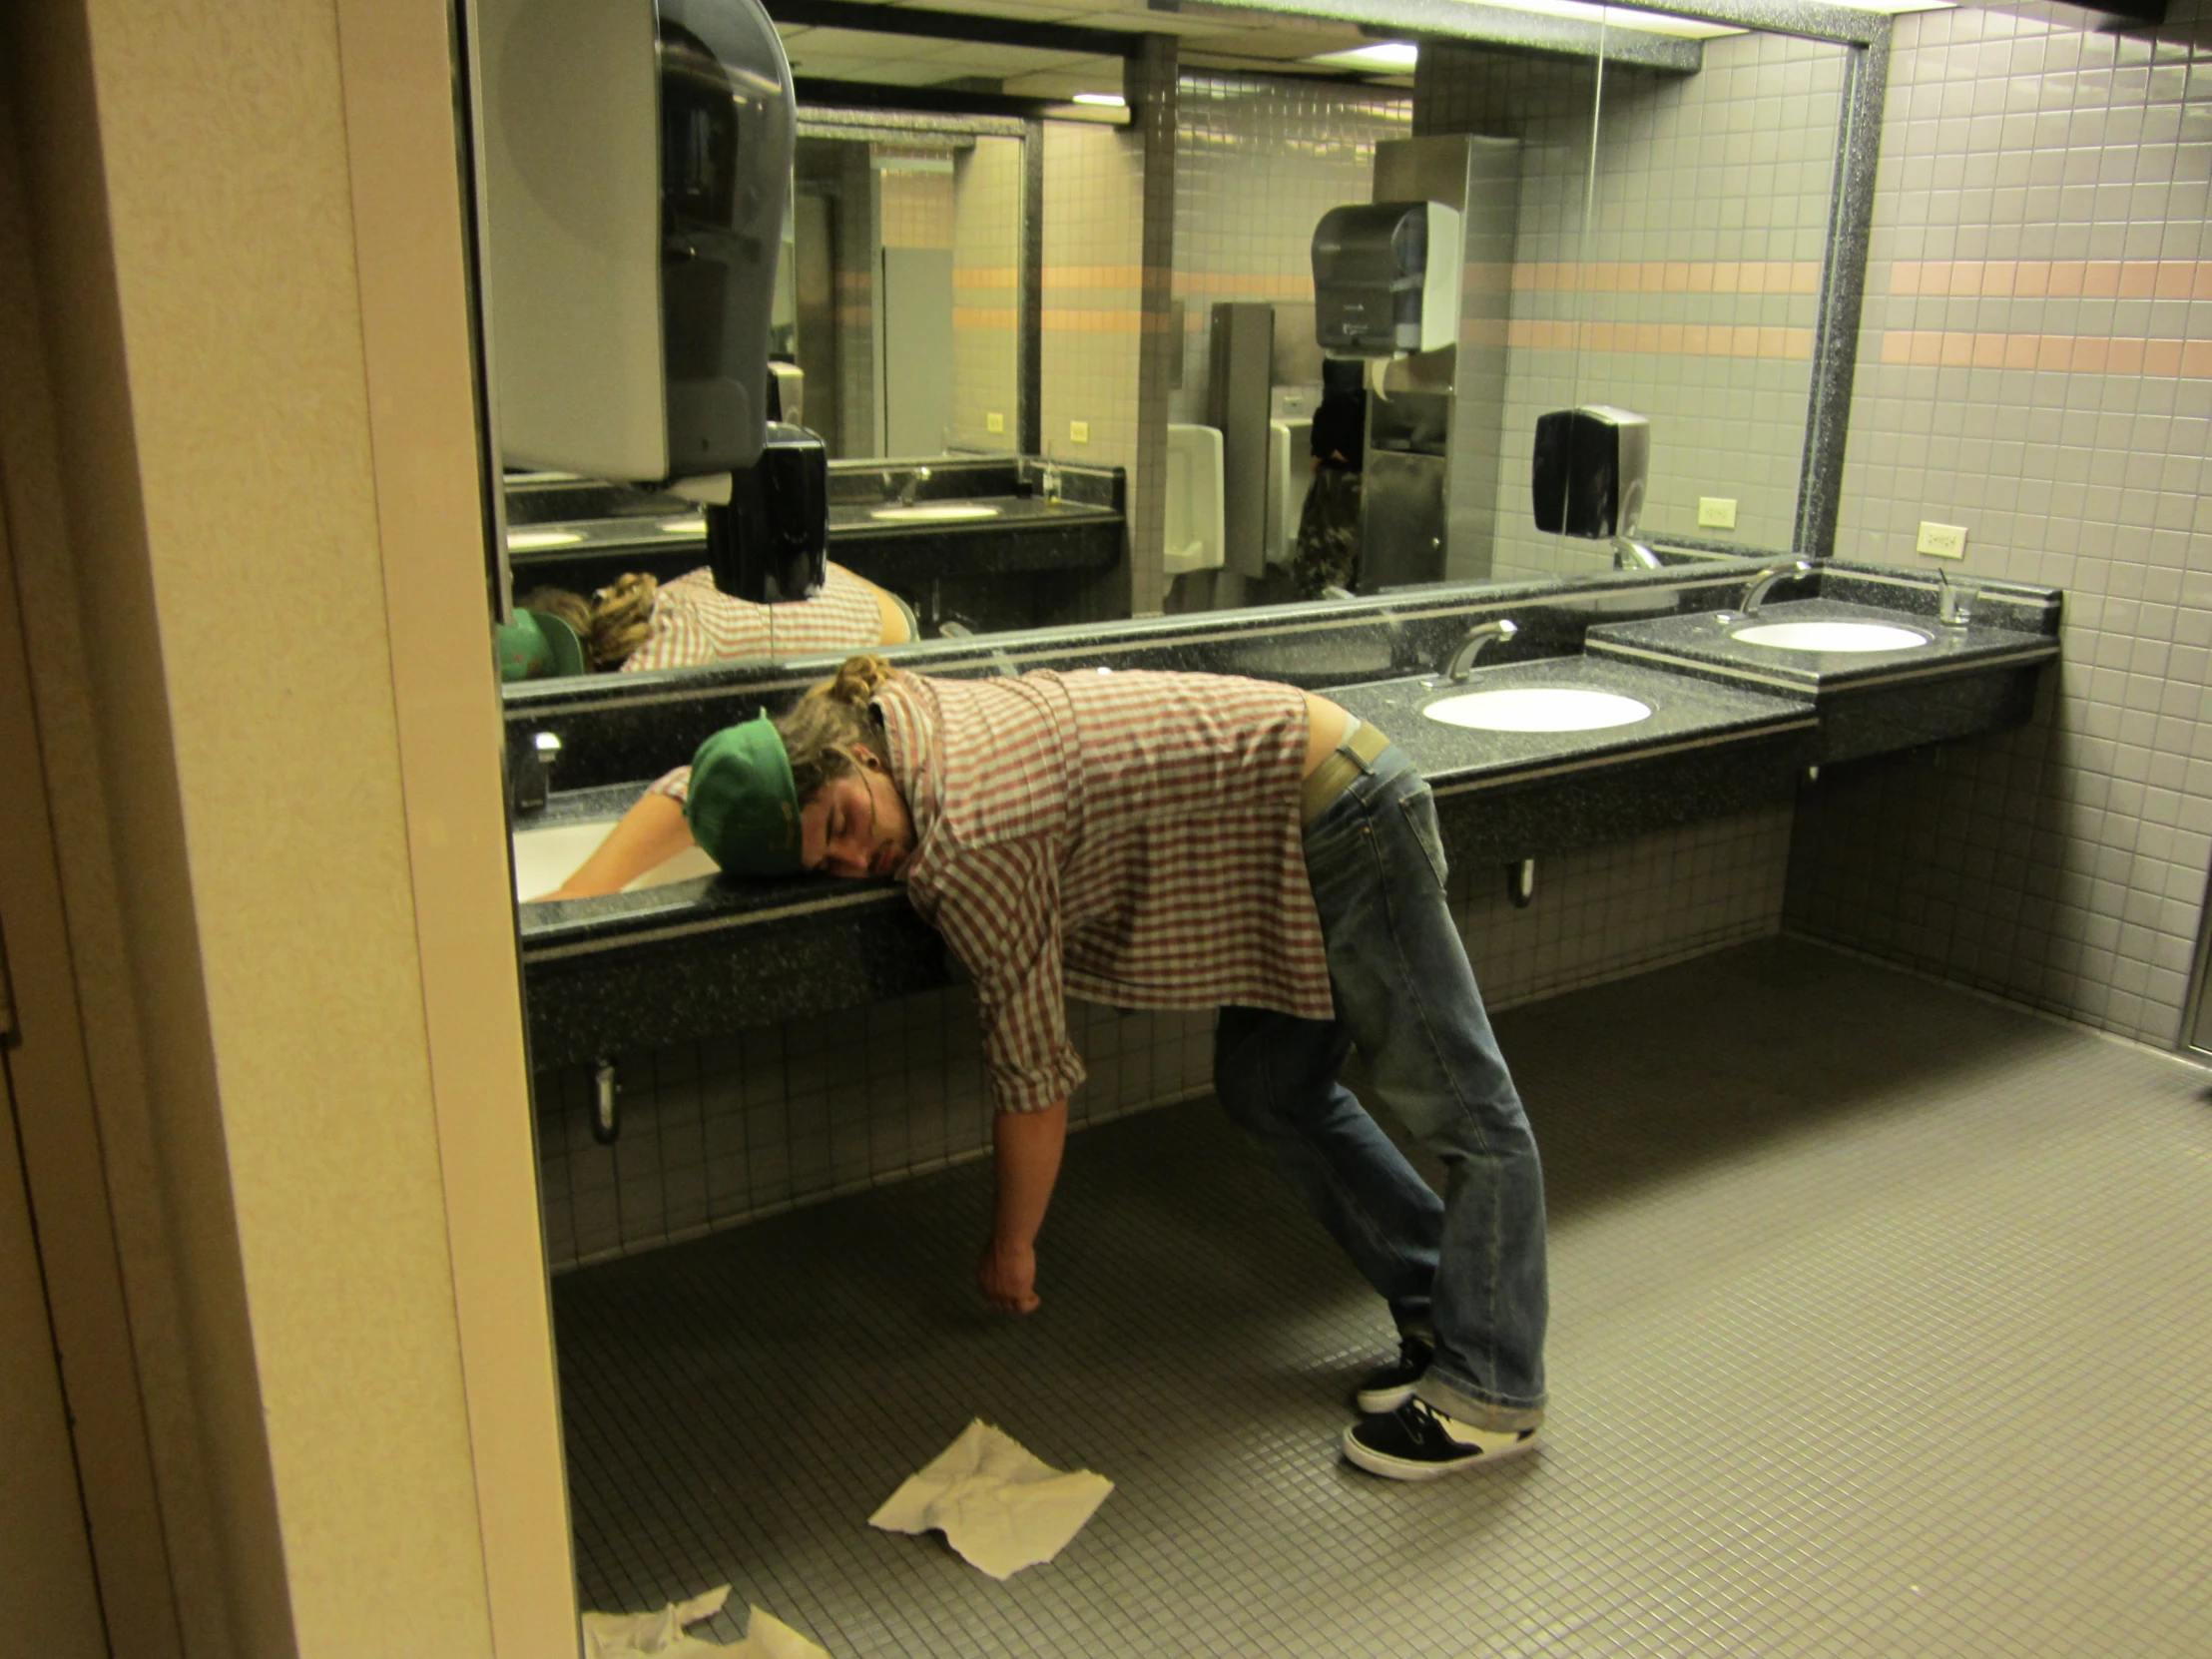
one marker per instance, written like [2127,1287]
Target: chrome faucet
[1472,641]
[915,478]
[1762,581]
[1629,552]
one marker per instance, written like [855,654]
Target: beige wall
[270,727]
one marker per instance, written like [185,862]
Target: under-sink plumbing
[1763,581]
[606,1116]
[1472,641]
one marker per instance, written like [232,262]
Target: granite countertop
[1701,644]
[1686,712]
[674,531]
[1015,512]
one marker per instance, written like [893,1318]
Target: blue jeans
[1466,1270]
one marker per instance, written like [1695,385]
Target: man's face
[857,826]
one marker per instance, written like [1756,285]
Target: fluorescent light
[1620,17]
[1104,100]
[1390,57]
[523,541]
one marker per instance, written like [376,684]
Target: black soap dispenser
[1588,472]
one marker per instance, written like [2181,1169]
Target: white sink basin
[1538,709]
[934,512]
[544,859]
[1831,636]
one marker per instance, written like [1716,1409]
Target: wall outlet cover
[1079,431]
[1715,513]
[1941,541]
[994,422]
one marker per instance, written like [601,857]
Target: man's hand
[1009,1276]
[1029,1154]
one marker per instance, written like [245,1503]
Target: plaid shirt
[695,623]
[1128,838]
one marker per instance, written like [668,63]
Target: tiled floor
[1881,1325]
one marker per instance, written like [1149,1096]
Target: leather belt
[1338,768]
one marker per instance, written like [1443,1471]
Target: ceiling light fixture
[1104,100]
[1389,57]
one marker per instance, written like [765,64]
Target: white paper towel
[998,1505]
[622,1635]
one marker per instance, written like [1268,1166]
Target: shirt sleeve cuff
[1038,1092]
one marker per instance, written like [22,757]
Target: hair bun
[857,680]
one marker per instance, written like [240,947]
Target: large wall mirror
[1663,215]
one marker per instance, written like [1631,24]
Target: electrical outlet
[1941,541]
[994,422]
[1715,513]
[1079,431]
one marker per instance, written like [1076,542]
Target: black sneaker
[1386,1387]
[1419,1442]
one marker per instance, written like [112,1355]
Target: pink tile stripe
[1670,277]
[2054,278]
[2051,354]
[1672,340]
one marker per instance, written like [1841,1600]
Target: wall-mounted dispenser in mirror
[1588,477]
[1386,278]
[638,158]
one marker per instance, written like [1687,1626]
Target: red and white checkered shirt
[695,623]
[1126,838]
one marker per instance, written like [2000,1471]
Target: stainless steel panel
[1401,520]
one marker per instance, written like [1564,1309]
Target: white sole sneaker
[1416,1442]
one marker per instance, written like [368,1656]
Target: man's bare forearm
[1027,1146]
[645,838]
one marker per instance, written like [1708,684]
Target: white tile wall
[2037,365]
[1683,286]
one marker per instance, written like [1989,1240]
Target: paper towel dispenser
[637,159]
[1589,469]
[1386,278]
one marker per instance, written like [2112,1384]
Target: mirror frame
[1867,37]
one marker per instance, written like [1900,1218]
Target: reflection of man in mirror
[1328,554]
[1182,840]
[638,623]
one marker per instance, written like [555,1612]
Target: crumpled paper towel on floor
[997,1503]
[621,1635]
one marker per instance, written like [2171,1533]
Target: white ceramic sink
[1831,636]
[546,857]
[934,512]
[1538,709]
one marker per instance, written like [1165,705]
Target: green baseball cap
[741,803]
[537,645]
